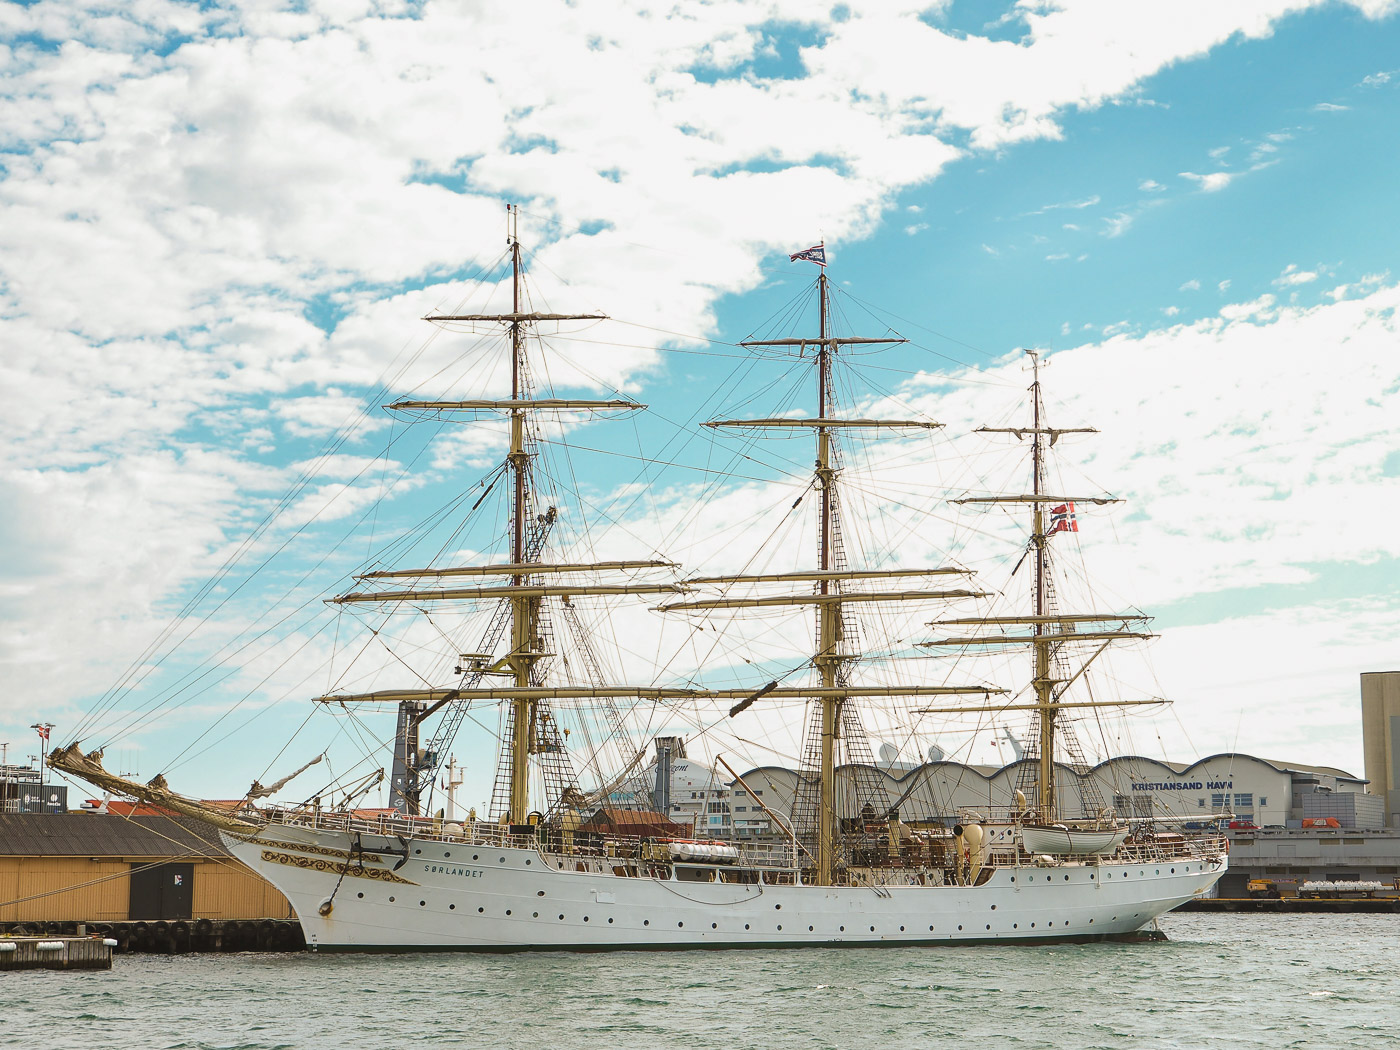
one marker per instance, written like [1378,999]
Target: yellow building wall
[231,891]
[79,889]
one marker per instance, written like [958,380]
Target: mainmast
[832,655]
[829,614]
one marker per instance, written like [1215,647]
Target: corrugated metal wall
[79,888]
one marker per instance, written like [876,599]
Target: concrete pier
[56,953]
[1377,905]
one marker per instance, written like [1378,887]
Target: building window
[1244,800]
[758,792]
[1200,803]
[1263,801]
[1219,801]
[741,809]
[1142,807]
[1122,803]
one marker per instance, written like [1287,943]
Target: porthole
[777,907]
[679,925]
[501,861]
[780,926]
[872,929]
[901,929]
[1014,926]
[585,918]
[989,926]
[482,911]
[417,852]
[1066,878]
[843,929]
[645,922]
[534,915]
[746,926]
[561,917]
[360,895]
[810,928]
[1091,922]
[539,893]
[960,927]
[1013,878]
[475,856]
[527,860]
[994,907]
[452,907]
[507,911]
[424,904]
[930,929]
[391,900]
[609,920]
[1173,871]
[1091,876]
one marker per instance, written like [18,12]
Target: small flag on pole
[1062,519]
[815,254]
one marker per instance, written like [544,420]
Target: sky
[220,224]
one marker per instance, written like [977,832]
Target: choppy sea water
[1220,981]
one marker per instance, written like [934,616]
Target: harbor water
[1274,981]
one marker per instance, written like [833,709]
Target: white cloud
[918,227]
[1210,183]
[1057,256]
[1151,186]
[1378,79]
[1223,286]
[1293,276]
[1117,225]
[1193,285]
[1171,311]
[1330,107]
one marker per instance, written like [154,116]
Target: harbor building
[89,867]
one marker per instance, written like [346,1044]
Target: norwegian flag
[1062,519]
[43,733]
[816,254]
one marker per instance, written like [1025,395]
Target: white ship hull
[429,894]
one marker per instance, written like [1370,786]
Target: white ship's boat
[540,872]
[1058,839]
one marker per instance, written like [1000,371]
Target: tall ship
[562,859]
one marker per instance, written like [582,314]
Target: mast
[1041,646]
[524,608]
[828,613]
[1050,630]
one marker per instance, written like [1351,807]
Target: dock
[162,937]
[56,953]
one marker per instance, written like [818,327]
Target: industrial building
[1380,733]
